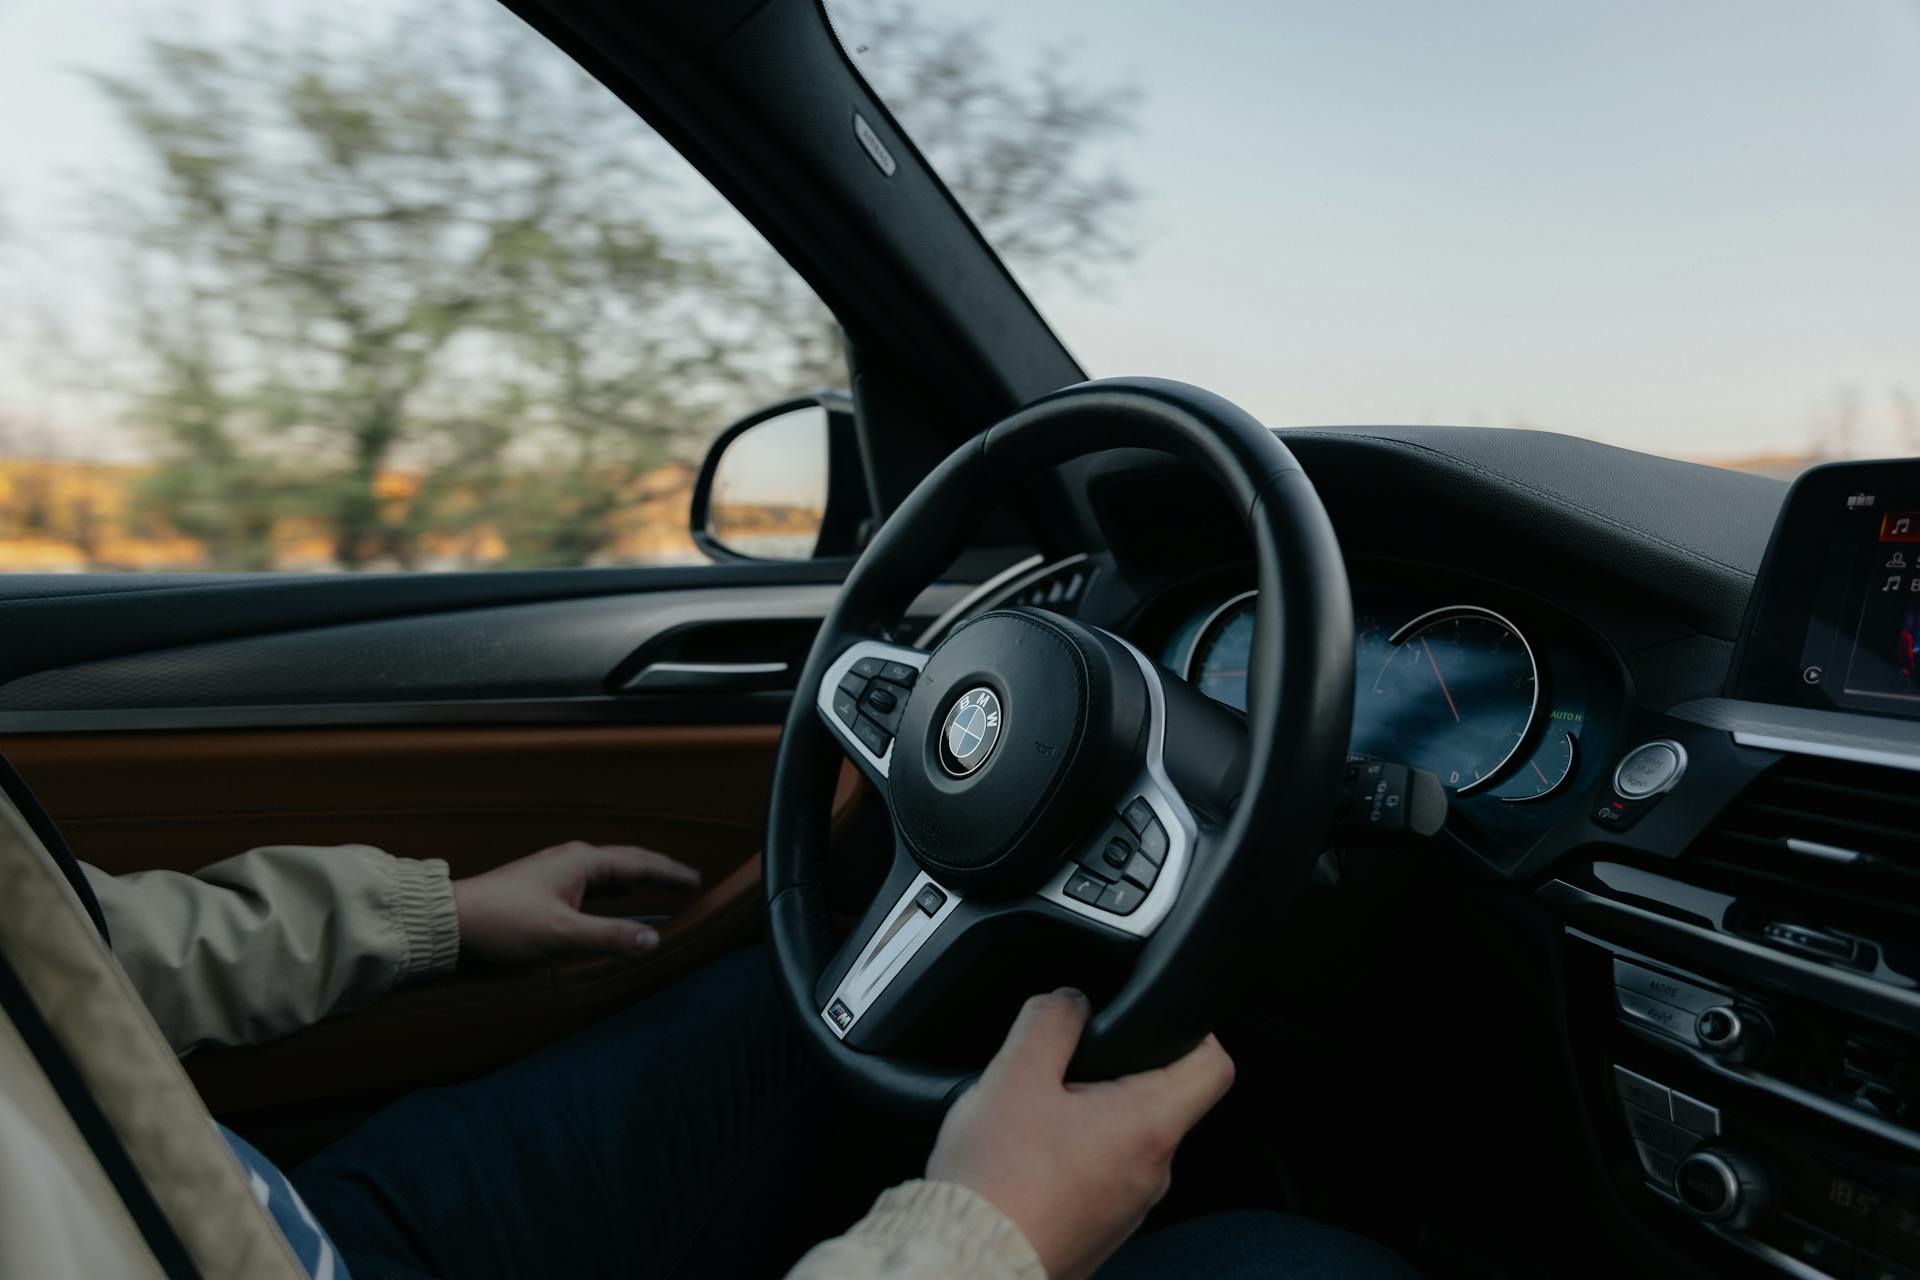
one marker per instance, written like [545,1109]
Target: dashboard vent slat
[1837,825]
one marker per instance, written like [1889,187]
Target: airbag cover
[1003,821]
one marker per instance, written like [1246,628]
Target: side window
[365,286]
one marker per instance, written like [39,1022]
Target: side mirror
[783,483]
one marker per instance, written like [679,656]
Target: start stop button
[1649,769]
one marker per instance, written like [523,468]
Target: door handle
[708,677]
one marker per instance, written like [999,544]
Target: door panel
[60,620]
[477,797]
[169,723]
[474,796]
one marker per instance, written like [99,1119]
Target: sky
[1685,226]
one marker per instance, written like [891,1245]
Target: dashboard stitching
[1505,479]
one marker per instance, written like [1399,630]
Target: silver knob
[1721,1185]
[1721,1029]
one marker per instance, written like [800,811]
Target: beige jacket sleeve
[277,938]
[926,1231]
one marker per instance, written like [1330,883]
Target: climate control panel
[1783,1127]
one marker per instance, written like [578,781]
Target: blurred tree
[420,281]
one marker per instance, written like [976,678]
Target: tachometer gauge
[1222,652]
[1461,689]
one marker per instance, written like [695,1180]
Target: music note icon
[1901,525]
[1893,584]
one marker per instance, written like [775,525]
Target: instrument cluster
[1455,685]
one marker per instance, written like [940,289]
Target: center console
[1742,938]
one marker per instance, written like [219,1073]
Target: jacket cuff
[422,897]
[980,1238]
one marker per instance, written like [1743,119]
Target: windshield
[1686,229]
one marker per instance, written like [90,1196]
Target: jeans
[692,1134]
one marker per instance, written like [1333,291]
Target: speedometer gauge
[1222,652]
[1461,690]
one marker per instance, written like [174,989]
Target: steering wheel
[1041,770]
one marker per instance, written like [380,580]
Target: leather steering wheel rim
[1300,693]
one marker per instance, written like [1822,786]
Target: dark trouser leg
[1252,1245]
[689,1135]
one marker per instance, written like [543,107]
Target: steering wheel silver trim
[902,932]
[1164,798]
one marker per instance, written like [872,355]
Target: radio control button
[1664,1136]
[1664,1018]
[1720,1029]
[1658,986]
[1641,1092]
[1658,1165]
[1720,1185]
[1691,1113]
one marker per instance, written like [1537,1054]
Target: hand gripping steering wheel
[1039,770]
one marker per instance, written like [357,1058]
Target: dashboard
[1678,721]
[1673,904]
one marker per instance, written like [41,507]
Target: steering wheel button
[930,899]
[1153,841]
[872,736]
[845,707]
[1138,814]
[1084,886]
[1118,853]
[1141,870]
[867,668]
[1122,899]
[885,704]
[853,684]
[899,673]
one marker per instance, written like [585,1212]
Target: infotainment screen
[1835,616]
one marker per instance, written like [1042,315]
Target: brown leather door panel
[474,796]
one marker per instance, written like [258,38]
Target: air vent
[1847,829]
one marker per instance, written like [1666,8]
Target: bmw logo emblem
[972,727]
